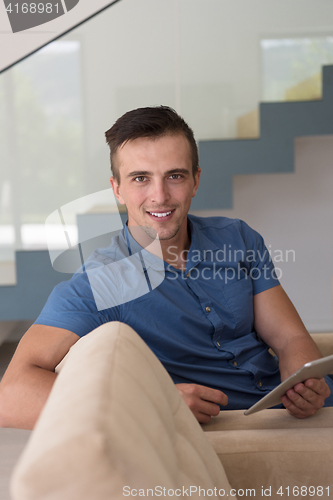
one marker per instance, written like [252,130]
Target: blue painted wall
[36,279]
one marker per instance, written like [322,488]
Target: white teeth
[160,215]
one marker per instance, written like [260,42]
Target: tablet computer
[314,369]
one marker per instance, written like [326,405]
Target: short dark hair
[155,121]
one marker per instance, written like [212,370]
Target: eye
[140,178]
[176,176]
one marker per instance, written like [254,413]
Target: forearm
[279,325]
[23,397]
[295,352]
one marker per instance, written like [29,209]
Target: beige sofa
[115,426]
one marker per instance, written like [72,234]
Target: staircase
[273,152]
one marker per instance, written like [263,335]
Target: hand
[306,398]
[202,401]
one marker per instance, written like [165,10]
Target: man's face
[157,184]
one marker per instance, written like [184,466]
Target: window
[292,67]
[41,143]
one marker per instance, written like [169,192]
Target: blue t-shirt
[199,322]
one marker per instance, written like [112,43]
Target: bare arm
[30,375]
[279,325]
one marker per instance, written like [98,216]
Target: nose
[159,192]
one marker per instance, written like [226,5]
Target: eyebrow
[137,173]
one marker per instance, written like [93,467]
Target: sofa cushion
[114,419]
[273,451]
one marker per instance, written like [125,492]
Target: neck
[175,251]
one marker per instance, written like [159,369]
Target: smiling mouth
[160,215]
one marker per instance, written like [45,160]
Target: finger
[312,397]
[213,395]
[319,386]
[198,405]
[202,418]
[208,408]
[294,410]
[297,397]
[192,395]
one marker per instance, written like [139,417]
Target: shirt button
[259,384]
[188,275]
[234,363]
[218,343]
[208,309]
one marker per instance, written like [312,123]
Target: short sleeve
[71,306]
[258,260]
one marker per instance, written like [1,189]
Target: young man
[210,319]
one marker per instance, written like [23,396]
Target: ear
[115,187]
[196,182]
